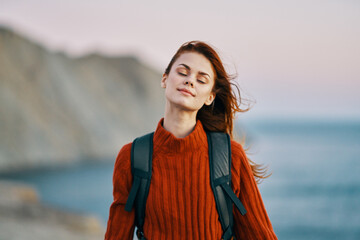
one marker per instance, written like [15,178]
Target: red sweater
[181,203]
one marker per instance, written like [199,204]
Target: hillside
[55,109]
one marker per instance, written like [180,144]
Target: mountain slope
[56,109]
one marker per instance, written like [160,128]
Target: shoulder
[237,151]
[123,159]
[126,149]
[239,160]
[240,163]
[122,177]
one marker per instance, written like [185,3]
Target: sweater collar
[166,141]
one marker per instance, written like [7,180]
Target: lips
[186,91]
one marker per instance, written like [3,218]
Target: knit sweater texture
[181,203]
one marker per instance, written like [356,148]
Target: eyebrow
[188,68]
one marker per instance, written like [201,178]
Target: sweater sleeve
[120,224]
[255,224]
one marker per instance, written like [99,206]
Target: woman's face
[190,82]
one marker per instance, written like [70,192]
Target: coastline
[24,216]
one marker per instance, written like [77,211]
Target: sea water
[313,192]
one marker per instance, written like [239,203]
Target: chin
[182,103]
[183,106]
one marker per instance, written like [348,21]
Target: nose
[189,81]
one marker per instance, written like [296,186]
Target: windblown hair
[219,116]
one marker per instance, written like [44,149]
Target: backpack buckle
[140,234]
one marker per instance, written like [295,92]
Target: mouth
[186,91]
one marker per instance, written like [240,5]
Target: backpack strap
[141,168]
[220,178]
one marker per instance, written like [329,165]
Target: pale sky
[294,58]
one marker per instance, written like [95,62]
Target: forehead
[196,61]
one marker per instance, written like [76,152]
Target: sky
[294,59]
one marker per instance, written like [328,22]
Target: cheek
[170,88]
[173,80]
[205,93]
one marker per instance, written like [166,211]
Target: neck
[179,122]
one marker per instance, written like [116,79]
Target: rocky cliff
[24,216]
[55,109]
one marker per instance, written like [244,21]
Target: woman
[180,203]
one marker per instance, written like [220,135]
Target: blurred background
[78,79]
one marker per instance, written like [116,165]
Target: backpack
[220,179]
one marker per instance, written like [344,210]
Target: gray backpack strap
[141,168]
[220,178]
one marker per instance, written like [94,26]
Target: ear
[163,80]
[210,99]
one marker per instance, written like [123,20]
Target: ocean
[313,192]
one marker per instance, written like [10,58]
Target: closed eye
[182,74]
[200,81]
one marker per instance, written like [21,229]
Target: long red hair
[219,116]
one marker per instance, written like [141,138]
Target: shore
[24,216]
